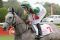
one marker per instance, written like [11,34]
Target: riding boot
[39,29]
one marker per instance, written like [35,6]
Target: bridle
[12,19]
[14,23]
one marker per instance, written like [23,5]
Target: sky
[50,1]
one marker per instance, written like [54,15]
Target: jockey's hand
[28,22]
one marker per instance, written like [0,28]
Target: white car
[53,18]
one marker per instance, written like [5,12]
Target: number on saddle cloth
[46,29]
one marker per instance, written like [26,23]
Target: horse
[21,29]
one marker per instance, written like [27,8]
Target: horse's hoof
[37,37]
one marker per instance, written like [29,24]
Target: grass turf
[7,37]
[58,25]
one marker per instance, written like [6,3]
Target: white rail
[1,23]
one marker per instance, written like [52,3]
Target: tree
[3,12]
[48,8]
[56,8]
[14,4]
[1,3]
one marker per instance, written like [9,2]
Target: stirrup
[37,37]
[41,36]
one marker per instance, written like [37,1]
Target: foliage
[1,3]
[3,12]
[56,8]
[48,8]
[12,3]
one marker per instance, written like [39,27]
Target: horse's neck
[18,19]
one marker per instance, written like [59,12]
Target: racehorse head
[10,17]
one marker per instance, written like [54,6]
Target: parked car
[52,18]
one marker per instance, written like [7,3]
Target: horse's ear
[13,11]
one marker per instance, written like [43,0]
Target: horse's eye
[10,17]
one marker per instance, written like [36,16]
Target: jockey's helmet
[36,10]
[25,4]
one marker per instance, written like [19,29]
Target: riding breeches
[37,29]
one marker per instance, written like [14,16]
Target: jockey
[36,13]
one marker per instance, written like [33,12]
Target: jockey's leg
[39,29]
[36,29]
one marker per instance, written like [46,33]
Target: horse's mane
[18,15]
[19,12]
[18,19]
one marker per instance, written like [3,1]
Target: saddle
[46,29]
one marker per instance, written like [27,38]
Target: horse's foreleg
[18,37]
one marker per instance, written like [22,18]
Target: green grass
[58,25]
[6,38]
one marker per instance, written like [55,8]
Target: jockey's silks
[35,17]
